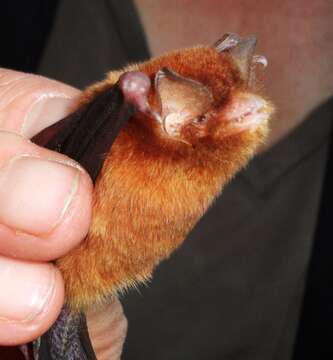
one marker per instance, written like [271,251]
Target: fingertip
[45,200]
[67,233]
[30,103]
[15,326]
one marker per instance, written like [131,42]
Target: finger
[45,201]
[30,103]
[107,327]
[54,191]
[30,300]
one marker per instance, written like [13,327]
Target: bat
[181,126]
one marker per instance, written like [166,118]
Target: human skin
[34,231]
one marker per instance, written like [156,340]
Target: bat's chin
[246,112]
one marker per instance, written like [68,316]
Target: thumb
[42,192]
[29,103]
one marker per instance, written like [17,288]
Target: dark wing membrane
[88,134]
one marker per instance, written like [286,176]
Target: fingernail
[45,111]
[35,193]
[26,289]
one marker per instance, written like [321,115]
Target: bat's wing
[67,339]
[87,136]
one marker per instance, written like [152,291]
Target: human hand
[42,194]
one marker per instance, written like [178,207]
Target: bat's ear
[241,50]
[181,99]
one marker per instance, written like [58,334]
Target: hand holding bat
[30,233]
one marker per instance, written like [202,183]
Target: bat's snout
[247,111]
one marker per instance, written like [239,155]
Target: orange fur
[153,189]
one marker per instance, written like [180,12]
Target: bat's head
[204,103]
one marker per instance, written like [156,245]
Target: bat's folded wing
[86,136]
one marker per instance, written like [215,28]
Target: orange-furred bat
[181,125]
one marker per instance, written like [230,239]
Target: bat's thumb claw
[135,86]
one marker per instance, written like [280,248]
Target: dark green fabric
[24,30]
[314,336]
[89,38]
[234,289]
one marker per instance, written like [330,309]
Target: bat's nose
[242,52]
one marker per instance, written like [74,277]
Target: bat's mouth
[246,111]
[241,50]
